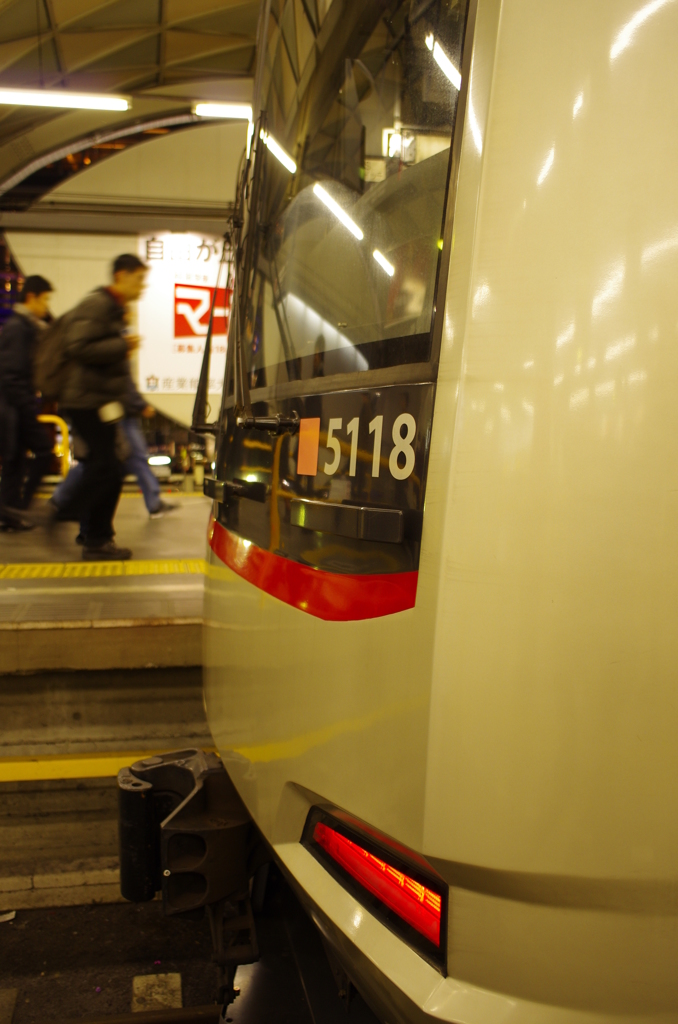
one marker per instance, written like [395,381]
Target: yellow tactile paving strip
[87,570]
[72,766]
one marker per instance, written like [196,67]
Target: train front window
[363,103]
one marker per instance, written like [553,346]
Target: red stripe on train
[327,595]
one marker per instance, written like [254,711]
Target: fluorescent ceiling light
[61,98]
[443,61]
[159,460]
[329,202]
[239,111]
[383,262]
[278,152]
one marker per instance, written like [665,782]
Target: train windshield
[360,102]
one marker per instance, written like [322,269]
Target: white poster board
[174,312]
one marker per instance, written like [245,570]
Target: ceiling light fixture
[278,152]
[236,111]
[332,205]
[63,99]
[443,61]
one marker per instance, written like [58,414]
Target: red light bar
[419,906]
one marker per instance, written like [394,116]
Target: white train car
[441,644]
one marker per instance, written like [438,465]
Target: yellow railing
[62,446]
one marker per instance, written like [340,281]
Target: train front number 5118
[400,461]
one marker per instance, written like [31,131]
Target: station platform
[100,664]
[58,612]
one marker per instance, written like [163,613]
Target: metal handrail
[62,448]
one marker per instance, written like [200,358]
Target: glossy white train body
[516,727]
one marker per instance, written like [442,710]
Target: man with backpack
[93,380]
[22,432]
[136,464]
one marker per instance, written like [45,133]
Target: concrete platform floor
[178,534]
[44,585]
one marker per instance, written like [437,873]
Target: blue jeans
[136,464]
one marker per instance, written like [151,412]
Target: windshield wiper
[201,404]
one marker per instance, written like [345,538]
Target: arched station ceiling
[162,53]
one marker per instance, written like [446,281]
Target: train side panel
[553,767]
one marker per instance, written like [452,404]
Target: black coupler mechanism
[184,830]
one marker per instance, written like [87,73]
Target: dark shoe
[163,507]
[12,519]
[108,552]
[80,539]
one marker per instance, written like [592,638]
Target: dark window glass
[365,106]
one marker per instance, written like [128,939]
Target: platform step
[42,646]
[104,712]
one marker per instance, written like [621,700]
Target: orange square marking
[309,442]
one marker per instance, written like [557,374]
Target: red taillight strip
[334,596]
[416,904]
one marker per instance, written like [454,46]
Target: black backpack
[51,364]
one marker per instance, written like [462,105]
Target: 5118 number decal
[400,460]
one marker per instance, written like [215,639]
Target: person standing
[23,431]
[98,347]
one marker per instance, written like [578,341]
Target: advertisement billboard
[174,311]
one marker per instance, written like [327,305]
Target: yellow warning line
[72,766]
[182,495]
[87,570]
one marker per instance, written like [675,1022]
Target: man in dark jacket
[136,464]
[22,430]
[94,395]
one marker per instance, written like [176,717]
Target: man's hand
[149,412]
[133,342]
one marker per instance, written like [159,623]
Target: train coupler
[185,832]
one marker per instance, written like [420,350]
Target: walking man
[136,464]
[94,396]
[22,430]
